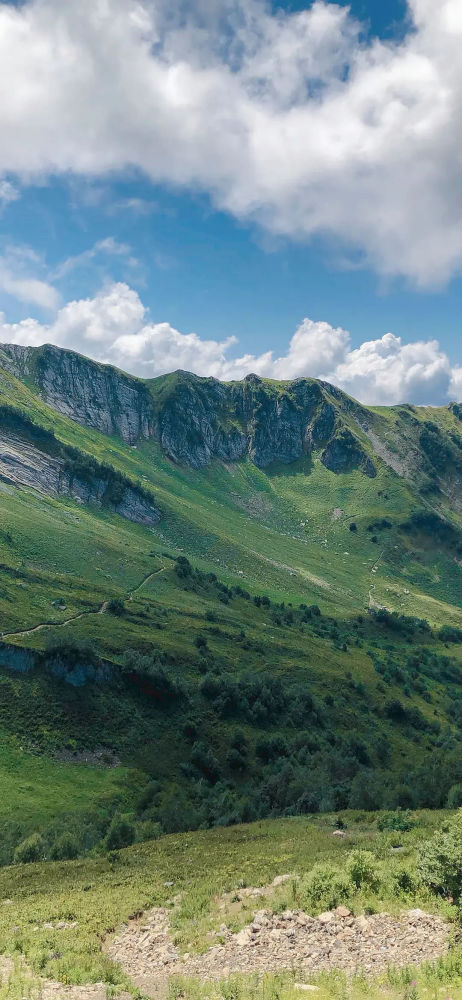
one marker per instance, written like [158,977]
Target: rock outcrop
[95,395]
[276,941]
[198,419]
[24,464]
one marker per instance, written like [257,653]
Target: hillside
[221,601]
[161,919]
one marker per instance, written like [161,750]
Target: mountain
[221,601]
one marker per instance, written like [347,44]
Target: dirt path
[74,618]
[273,942]
[144,581]
[100,610]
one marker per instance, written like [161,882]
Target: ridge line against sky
[113,327]
[236,147]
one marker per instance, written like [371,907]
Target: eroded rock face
[91,394]
[22,464]
[344,453]
[194,419]
[272,942]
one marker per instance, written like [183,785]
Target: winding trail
[100,610]
[145,580]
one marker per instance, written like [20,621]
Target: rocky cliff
[94,395]
[198,419]
[31,456]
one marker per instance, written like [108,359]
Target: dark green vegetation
[285,640]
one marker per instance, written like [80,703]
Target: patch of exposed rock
[289,940]
[195,419]
[96,395]
[23,464]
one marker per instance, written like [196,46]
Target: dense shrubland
[241,743]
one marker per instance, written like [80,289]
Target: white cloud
[108,246]
[17,281]
[8,192]
[289,119]
[114,327]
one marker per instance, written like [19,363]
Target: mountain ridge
[282,634]
[197,419]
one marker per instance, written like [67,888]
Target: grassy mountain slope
[347,693]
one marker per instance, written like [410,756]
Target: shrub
[450,634]
[405,881]
[116,607]
[148,830]
[325,887]
[440,860]
[201,642]
[455,797]
[183,567]
[397,821]
[30,849]
[65,848]
[362,870]
[121,833]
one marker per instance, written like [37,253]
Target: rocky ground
[288,940]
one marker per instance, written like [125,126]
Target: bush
[362,870]
[450,634]
[148,830]
[397,821]
[30,849]
[440,860]
[65,848]
[325,887]
[455,797]
[116,607]
[201,642]
[121,833]
[405,881]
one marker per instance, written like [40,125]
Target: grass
[100,893]
[284,533]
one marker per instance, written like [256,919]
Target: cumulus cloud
[114,327]
[18,278]
[289,118]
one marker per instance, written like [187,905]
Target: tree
[121,833]
[440,859]
[30,849]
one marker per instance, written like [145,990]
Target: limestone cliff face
[196,419]
[94,395]
[24,464]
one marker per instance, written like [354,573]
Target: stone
[280,879]
[283,941]
[342,911]
[326,918]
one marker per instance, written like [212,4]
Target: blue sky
[124,238]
